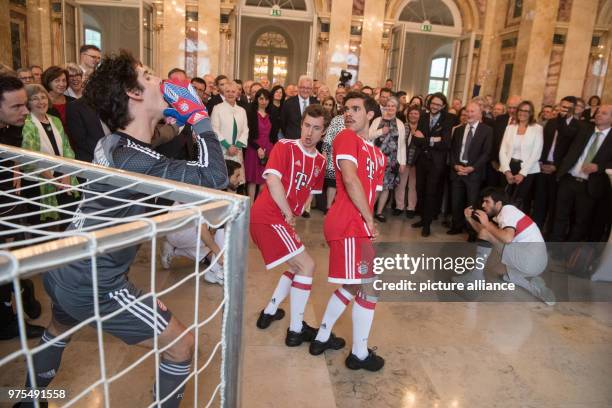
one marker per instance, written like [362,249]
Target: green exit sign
[275,11]
[426,27]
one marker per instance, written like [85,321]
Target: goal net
[213,314]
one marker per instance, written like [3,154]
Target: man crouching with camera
[505,228]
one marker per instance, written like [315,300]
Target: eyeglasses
[525,110]
[26,78]
[75,76]
[96,57]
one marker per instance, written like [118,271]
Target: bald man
[494,177]
[583,198]
[470,150]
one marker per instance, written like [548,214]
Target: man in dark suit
[470,152]
[84,129]
[220,82]
[292,109]
[433,141]
[494,177]
[583,182]
[559,133]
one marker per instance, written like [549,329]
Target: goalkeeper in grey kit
[128,99]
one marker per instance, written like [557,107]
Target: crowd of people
[430,158]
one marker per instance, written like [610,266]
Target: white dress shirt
[576,171]
[465,133]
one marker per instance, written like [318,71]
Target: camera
[475,216]
[345,77]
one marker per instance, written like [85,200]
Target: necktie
[303,105]
[432,122]
[468,140]
[592,149]
[234,132]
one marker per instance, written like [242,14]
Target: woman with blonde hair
[44,133]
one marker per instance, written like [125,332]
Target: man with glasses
[90,56]
[294,107]
[25,76]
[558,136]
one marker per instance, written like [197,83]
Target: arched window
[299,5]
[271,57]
[439,74]
[434,11]
[93,37]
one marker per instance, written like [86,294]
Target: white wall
[119,27]
[419,50]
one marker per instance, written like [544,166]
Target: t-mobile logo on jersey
[370,168]
[300,180]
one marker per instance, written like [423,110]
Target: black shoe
[396,212]
[318,347]
[418,224]
[371,363]
[31,306]
[305,214]
[11,331]
[426,231]
[410,214]
[265,320]
[294,339]
[380,217]
[454,231]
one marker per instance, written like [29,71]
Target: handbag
[411,152]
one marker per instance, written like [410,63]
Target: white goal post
[40,249]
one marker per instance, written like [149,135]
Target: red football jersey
[301,173]
[343,219]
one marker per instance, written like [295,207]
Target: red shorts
[350,260]
[277,243]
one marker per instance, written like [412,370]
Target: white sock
[280,293]
[335,307]
[363,315]
[300,291]
[481,252]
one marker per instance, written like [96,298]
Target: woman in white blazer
[388,133]
[232,139]
[520,153]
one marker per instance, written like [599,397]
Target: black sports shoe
[371,363]
[11,331]
[318,347]
[265,320]
[31,306]
[380,217]
[294,339]
[410,214]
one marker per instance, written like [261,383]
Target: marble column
[606,95]
[173,36]
[371,55]
[490,45]
[6,57]
[39,33]
[209,23]
[339,38]
[577,48]
[533,49]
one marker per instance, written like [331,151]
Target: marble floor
[518,353]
